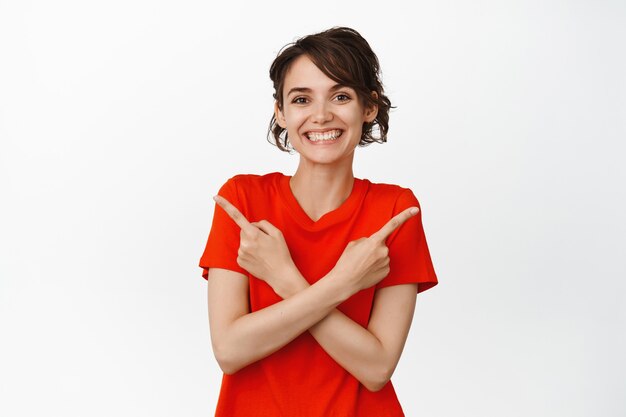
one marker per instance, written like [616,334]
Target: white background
[119,120]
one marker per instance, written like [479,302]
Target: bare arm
[240,337]
[370,354]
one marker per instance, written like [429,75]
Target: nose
[321,113]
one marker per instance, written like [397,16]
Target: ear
[280,117]
[371,112]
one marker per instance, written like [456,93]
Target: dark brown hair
[345,57]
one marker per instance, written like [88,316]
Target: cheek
[293,120]
[351,117]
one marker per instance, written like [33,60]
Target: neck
[320,188]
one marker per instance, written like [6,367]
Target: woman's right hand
[263,252]
[365,262]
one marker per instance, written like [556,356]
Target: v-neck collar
[341,213]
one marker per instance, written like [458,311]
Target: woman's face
[324,120]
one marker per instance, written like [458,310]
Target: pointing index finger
[233,212]
[395,222]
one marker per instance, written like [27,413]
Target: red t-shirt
[301,379]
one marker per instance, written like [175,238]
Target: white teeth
[330,135]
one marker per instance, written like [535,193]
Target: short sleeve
[223,242]
[409,256]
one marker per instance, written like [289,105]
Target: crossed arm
[240,337]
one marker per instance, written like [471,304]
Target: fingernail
[413,211]
[214,198]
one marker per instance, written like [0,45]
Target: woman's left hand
[263,252]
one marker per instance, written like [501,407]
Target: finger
[395,222]
[267,227]
[233,212]
[259,227]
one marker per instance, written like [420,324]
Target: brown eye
[299,100]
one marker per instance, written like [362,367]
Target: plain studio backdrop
[120,120]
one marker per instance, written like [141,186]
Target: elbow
[374,386]
[227,368]
[225,360]
[378,380]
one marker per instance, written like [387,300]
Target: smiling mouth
[325,136]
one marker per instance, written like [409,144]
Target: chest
[315,252]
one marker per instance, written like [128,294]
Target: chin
[321,159]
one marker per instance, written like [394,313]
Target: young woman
[313,278]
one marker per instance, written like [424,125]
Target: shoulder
[251,186]
[391,194]
[253,182]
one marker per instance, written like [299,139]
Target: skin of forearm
[256,335]
[355,348]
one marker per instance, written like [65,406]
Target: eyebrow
[308,90]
